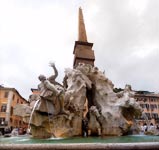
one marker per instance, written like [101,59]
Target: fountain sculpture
[60,110]
[84,105]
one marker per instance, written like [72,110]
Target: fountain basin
[123,142]
[84,146]
[108,139]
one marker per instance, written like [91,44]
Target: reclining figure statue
[51,91]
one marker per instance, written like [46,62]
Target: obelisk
[83,52]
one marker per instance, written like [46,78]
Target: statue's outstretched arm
[53,77]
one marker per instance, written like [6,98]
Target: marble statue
[50,92]
[60,110]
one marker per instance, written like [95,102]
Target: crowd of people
[151,127]
[13,131]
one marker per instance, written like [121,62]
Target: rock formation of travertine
[108,113]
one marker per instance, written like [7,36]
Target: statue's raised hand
[52,64]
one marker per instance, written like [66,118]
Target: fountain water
[32,112]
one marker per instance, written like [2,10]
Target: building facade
[150,105]
[9,97]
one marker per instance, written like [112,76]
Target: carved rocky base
[109,113]
[40,132]
[57,126]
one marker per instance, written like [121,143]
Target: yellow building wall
[3,100]
[15,121]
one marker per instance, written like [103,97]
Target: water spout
[32,113]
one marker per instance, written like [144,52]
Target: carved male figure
[50,91]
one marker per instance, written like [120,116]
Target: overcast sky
[125,34]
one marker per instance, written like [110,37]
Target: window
[18,100]
[13,97]
[145,100]
[154,115]
[153,106]
[6,94]
[147,106]
[148,115]
[11,111]
[3,108]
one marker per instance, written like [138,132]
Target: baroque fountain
[84,105]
